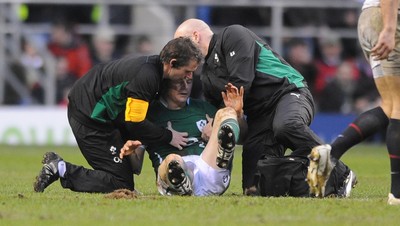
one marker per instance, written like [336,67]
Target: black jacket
[99,99]
[239,56]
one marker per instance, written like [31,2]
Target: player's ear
[196,37]
[173,63]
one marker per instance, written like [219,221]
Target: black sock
[393,146]
[362,127]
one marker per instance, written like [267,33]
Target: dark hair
[183,50]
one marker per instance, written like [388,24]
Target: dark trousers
[284,127]
[101,150]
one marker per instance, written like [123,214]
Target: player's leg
[293,115]
[173,177]
[259,141]
[101,150]
[387,79]
[367,123]
[388,87]
[364,126]
[220,148]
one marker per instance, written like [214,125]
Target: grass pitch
[20,205]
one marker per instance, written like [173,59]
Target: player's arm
[134,150]
[148,132]
[140,128]
[140,92]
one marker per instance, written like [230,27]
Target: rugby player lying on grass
[210,172]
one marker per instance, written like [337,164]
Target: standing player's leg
[362,127]
[389,91]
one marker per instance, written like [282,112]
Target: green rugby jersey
[190,119]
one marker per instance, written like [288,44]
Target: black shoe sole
[226,141]
[175,173]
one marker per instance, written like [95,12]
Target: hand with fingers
[206,133]
[385,45]
[233,97]
[129,147]
[179,139]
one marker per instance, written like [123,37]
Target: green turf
[19,205]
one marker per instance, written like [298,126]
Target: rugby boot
[226,146]
[49,172]
[180,182]
[348,185]
[319,169]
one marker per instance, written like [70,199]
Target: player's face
[184,72]
[179,91]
